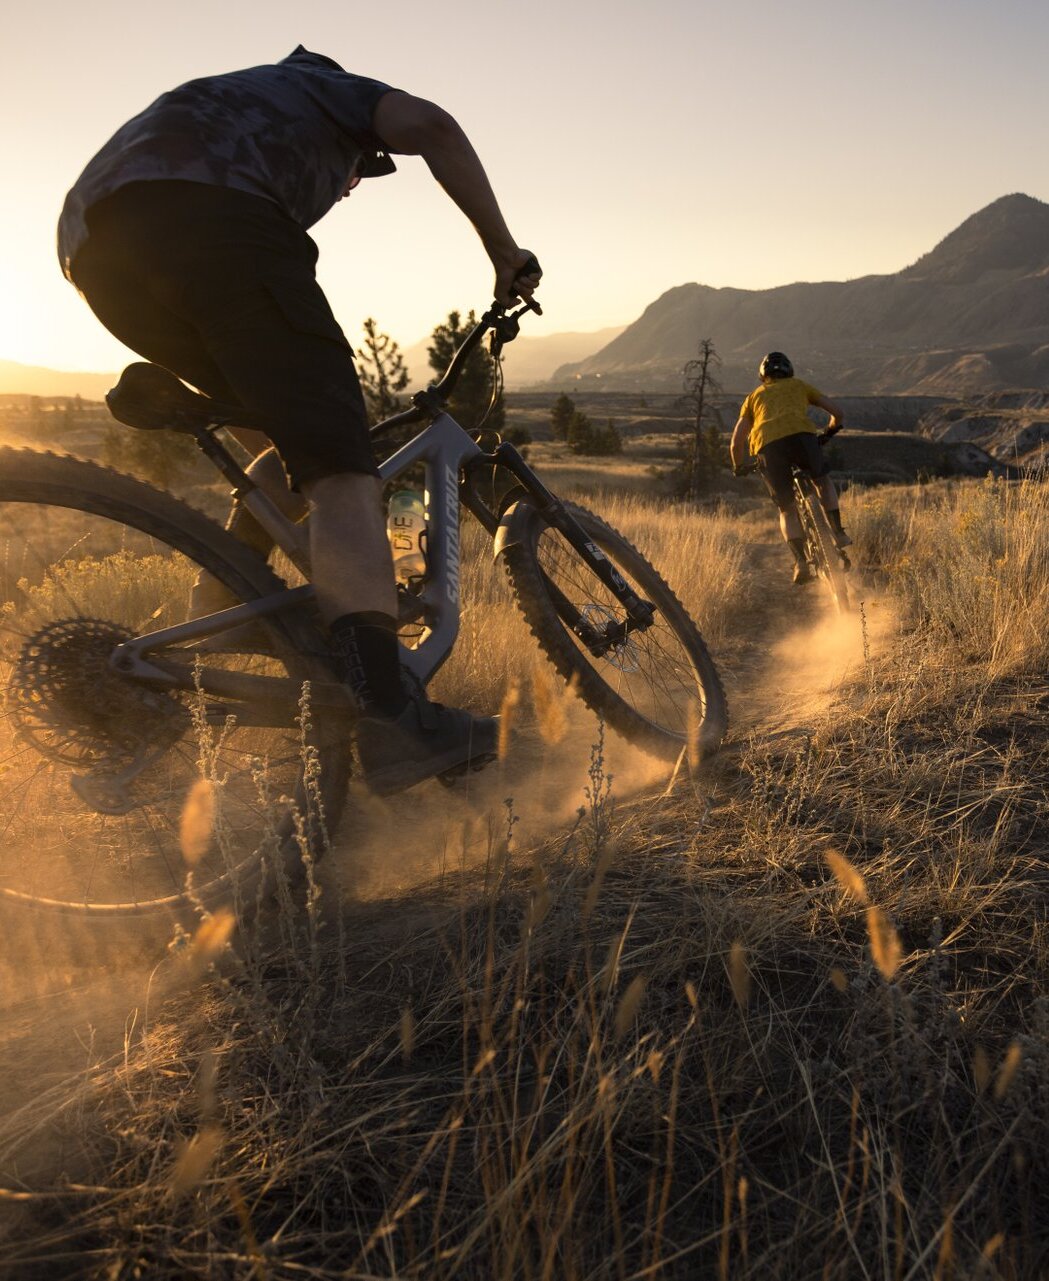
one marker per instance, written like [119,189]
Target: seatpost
[290,537]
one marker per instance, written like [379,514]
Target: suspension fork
[640,613]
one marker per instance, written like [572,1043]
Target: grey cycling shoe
[426,740]
[802,573]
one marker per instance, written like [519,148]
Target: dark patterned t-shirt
[290,131]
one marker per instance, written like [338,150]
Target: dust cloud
[390,846]
[814,665]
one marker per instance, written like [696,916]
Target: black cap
[377,164]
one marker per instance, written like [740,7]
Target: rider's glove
[743,469]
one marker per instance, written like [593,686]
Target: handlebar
[506,324]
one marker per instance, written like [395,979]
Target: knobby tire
[685,700]
[824,551]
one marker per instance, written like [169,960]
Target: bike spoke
[664,682]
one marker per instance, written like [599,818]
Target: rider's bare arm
[415,127]
[837,414]
[740,443]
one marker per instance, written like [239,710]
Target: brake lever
[506,326]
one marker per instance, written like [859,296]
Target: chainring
[73,708]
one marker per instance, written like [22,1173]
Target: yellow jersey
[777,409]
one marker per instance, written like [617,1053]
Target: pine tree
[560,416]
[382,373]
[607,439]
[579,433]
[473,392]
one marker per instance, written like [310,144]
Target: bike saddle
[150,397]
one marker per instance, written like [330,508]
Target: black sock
[368,659]
[797,546]
[834,516]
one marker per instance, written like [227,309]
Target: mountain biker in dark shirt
[186,234]
[774,426]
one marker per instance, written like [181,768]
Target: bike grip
[531,267]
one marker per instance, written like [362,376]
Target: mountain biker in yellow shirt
[775,428]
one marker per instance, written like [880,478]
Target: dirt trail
[791,652]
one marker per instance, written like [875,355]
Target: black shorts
[219,287]
[779,456]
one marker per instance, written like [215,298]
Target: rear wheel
[658,686]
[822,550]
[111,791]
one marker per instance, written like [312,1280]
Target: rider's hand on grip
[744,469]
[527,280]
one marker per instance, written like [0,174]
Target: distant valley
[527,362]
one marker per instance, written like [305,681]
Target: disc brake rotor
[623,655]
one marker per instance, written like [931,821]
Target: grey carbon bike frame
[443,448]
[448,455]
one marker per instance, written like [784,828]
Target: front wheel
[658,686]
[820,546]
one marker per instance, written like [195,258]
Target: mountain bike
[117,708]
[826,559]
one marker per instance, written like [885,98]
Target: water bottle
[406,530]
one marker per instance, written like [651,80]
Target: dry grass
[787,1021]
[968,560]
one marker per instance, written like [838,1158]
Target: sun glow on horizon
[626,171]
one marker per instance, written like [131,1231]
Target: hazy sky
[634,147]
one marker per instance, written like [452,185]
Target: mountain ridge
[972,314]
[17,379]
[528,360]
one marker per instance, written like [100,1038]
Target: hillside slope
[36,380]
[971,315]
[526,361]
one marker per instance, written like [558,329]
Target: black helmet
[776,365]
